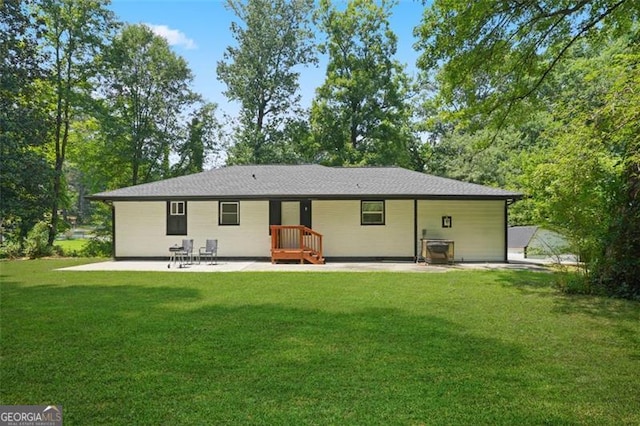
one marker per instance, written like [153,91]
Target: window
[177,208]
[229,213]
[372,213]
[176,218]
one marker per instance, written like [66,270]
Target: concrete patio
[263,266]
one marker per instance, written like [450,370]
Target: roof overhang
[508,198]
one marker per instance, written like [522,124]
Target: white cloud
[173,37]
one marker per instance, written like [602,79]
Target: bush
[97,247]
[10,249]
[577,282]
[36,241]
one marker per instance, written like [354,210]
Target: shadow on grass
[528,282]
[120,354]
[621,315]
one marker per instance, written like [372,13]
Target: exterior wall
[250,238]
[478,228]
[141,229]
[344,236]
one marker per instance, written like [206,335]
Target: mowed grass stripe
[497,347]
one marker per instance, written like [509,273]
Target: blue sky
[198,30]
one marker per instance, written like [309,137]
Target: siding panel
[344,236]
[141,229]
[478,227]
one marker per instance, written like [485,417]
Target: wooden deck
[296,242]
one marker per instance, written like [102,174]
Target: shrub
[36,241]
[10,249]
[571,281]
[97,247]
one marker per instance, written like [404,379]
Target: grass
[492,347]
[71,247]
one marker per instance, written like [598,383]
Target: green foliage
[12,243]
[24,171]
[100,244]
[202,141]
[497,62]
[74,32]
[360,114]
[36,243]
[618,125]
[493,54]
[10,249]
[145,88]
[274,39]
[575,282]
[587,183]
[97,247]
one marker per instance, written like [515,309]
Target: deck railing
[295,242]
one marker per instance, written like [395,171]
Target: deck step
[295,242]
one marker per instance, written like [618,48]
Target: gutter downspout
[415,230]
[507,203]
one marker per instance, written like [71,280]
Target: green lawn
[491,347]
[70,247]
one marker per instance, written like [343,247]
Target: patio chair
[210,250]
[187,250]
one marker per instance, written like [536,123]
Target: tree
[494,60]
[496,53]
[360,115]
[202,140]
[585,182]
[618,266]
[74,32]
[145,88]
[261,73]
[24,170]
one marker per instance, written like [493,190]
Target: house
[354,212]
[536,242]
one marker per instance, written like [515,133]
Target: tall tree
[488,57]
[261,73]
[75,31]
[23,123]
[495,53]
[360,115]
[202,141]
[145,88]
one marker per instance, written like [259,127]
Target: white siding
[250,238]
[141,229]
[344,236]
[478,229]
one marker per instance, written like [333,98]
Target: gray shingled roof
[306,181]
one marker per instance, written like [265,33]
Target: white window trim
[177,208]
